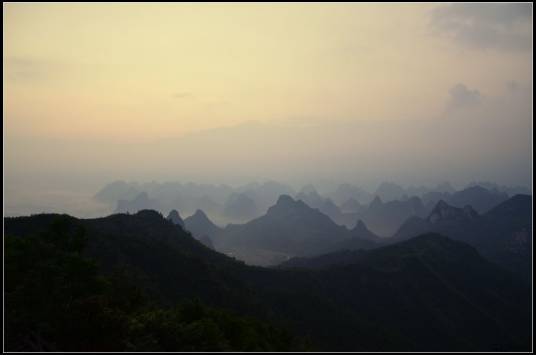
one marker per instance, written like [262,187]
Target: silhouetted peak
[173,213]
[443,211]
[175,217]
[286,204]
[516,205]
[200,214]
[199,217]
[377,202]
[361,231]
[285,200]
[199,224]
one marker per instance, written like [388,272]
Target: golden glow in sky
[363,93]
[160,70]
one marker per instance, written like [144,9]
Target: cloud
[461,97]
[484,26]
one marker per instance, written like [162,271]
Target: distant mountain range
[293,228]
[504,233]
[239,207]
[385,218]
[204,238]
[313,199]
[481,199]
[188,197]
[224,203]
[428,293]
[288,228]
[383,212]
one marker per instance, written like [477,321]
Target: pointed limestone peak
[285,200]
[175,217]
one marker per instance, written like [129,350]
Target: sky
[361,93]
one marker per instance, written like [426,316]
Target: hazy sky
[214,92]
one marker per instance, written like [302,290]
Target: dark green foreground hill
[57,299]
[139,282]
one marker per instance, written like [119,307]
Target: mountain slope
[503,234]
[439,282]
[175,217]
[312,198]
[199,224]
[444,213]
[361,230]
[384,218]
[480,198]
[288,228]
[457,300]
[58,299]
[508,228]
